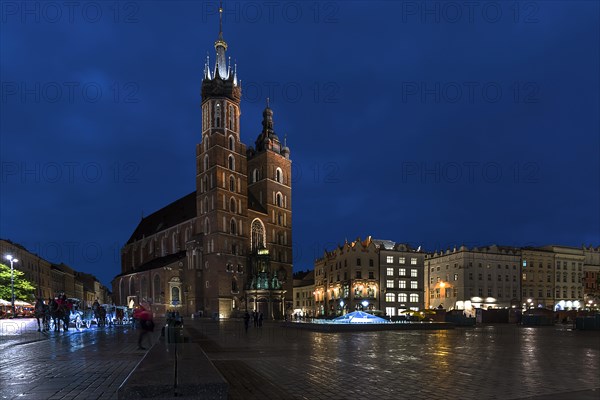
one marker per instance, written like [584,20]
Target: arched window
[205,162]
[131,286]
[258,234]
[206,226]
[233,227]
[205,143]
[205,205]
[234,285]
[390,297]
[278,200]
[231,117]
[231,162]
[218,115]
[255,175]
[279,175]
[231,143]
[156,291]
[174,243]
[175,295]
[279,219]
[232,205]
[231,183]
[144,288]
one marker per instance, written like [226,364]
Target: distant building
[226,247]
[303,295]
[568,284]
[465,279]
[52,279]
[537,278]
[347,279]
[591,276]
[402,277]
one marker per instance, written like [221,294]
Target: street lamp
[12,280]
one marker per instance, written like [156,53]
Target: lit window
[402,260]
[390,297]
[389,283]
[413,261]
[390,259]
[402,271]
[390,271]
[402,297]
[402,284]
[413,284]
[413,273]
[414,298]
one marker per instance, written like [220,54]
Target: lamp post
[12,281]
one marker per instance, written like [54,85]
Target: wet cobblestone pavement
[273,362]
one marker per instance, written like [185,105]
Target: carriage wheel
[78,323]
[88,324]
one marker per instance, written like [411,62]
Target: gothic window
[205,162]
[218,115]
[231,162]
[279,219]
[232,205]
[174,243]
[206,226]
[258,235]
[205,143]
[279,175]
[231,118]
[231,143]
[143,289]
[232,184]
[175,295]
[232,227]
[156,292]
[255,175]
[278,201]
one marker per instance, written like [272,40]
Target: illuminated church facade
[226,247]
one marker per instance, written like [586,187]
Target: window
[390,311]
[390,271]
[358,262]
[218,115]
[480,277]
[231,162]
[402,260]
[371,275]
[278,201]
[402,297]
[231,143]
[470,276]
[358,275]
[413,261]
[413,273]
[389,284]
[258,235]
[489,277]
[205,162]
[390,259]
[499,278]
[402,271]
[233,227]
[390,297]
[370,262]
[232,205]
[279,175]
[231,184]
[414,298]
[489,292]
[414,285]
[455,277]
[255,176]
[402,284]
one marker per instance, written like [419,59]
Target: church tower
[221,187]
[270,208]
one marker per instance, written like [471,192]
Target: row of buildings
[51,279]
[392,278]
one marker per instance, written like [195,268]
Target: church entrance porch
[269,302]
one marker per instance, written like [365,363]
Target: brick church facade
[226,247]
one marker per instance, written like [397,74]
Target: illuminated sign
[263,252]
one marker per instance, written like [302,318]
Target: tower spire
[221,47]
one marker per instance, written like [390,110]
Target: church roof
[156,263]
[179,211]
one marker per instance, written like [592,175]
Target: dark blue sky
[433,123]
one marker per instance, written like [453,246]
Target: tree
[24,290]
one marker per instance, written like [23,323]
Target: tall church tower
[221,187]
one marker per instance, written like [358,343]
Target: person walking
[146,325]
[246,321]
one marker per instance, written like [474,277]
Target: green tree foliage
[24,290]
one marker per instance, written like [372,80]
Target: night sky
[435,124]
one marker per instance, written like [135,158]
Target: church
[225,248]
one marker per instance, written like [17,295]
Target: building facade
[402,278]
[568,286]
[466,279]
[226,247]
[347,279]
[591,276]
[304,299]
[537,278]
[36,269]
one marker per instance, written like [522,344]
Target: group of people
[256,317]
